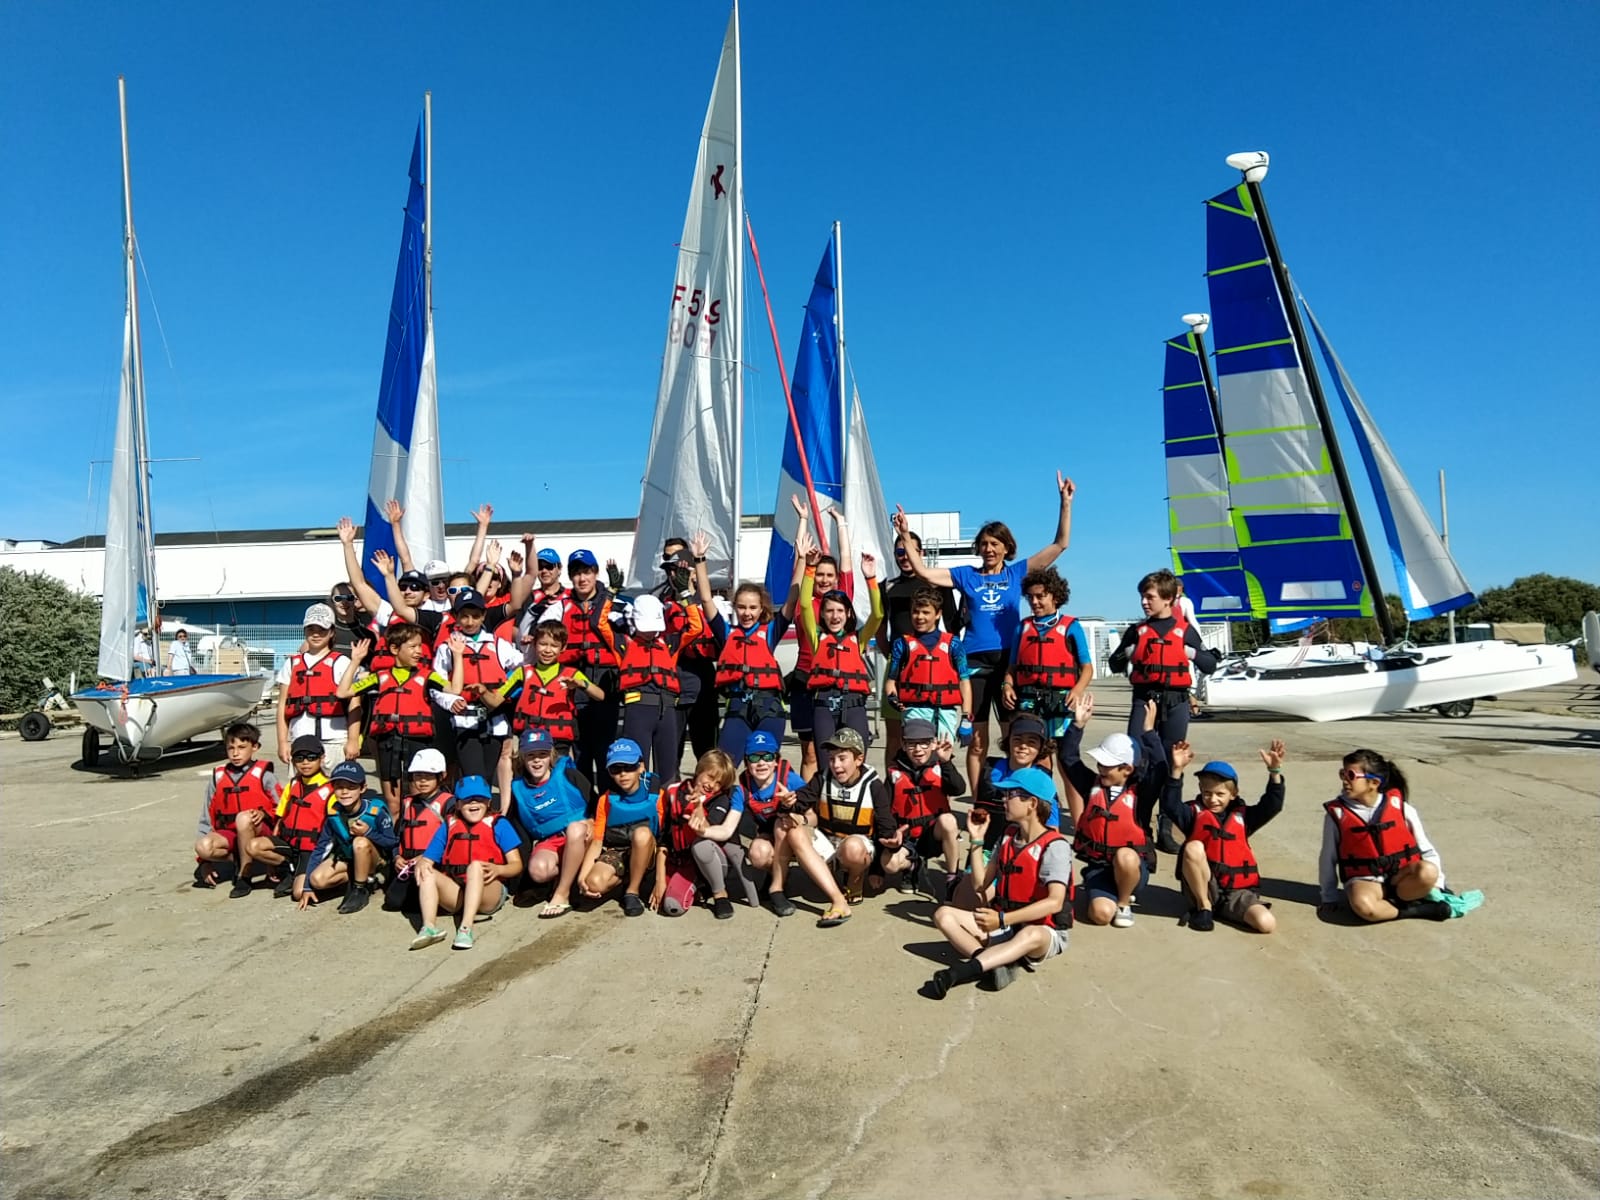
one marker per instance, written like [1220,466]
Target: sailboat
[143,717]
[1302,546]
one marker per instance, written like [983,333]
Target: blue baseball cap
[549,557]
[760,742]
[583,558]
[348,771]
[1032,780]
[624,752]
[472,787]
[535,740]
[1220,769]
[468,598]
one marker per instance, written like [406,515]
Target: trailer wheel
[91,746]
[1456,709]
[34,727]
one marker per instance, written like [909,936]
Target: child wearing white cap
[308,699]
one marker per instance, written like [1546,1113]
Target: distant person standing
[179,659]
[144,655]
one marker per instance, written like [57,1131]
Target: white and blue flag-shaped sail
[405,446]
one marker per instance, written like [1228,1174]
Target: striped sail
[1200,526]
[1294,537]
[1430,582]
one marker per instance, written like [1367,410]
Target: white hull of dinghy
[152,715]
[1325,687]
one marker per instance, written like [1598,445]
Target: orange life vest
[1378,847]
[836,663]
[1106,827]
[676,809]
[304,814]
[1046,658]
[466,844]
[764,810]
[917,795]
[1161,660]
[1018,884]
[648,663]
[313,689]
[419,821]
[547,705]
[746,660]
[232,795]
[401,706]
[928,676]
[480,663]
[1227,847]
[585,647]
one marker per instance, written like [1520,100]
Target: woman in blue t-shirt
[991,601]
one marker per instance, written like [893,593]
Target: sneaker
[285,888]
[939,986]
[722,908]
[1124,917]
[1000,978]
[463,939]
[428,936]
[239,890]
[780,904]
[631,904]
[355,899]
[1201,920]
[906,885]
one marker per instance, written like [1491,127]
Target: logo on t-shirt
[992,595]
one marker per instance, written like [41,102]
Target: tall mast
[141,432]
[838,328]
[1198,324]
[738,298]
[1444,537]
[1253,166]
[427,201]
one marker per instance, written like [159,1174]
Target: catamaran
[1296,530]
[143,717]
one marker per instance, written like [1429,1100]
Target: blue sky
[1021,194]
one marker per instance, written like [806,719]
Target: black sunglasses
[303,757]
[344,599]
[625,768]
[761,756]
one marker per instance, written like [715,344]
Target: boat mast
[1198,323]
[738,299]
[1444,537]
[141,432]
[1253,165]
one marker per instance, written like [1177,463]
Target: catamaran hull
[153,715]
[1339,689]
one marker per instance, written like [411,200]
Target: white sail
[423,523]
[864,506]
[691,477]
[125,590]
[1430,582]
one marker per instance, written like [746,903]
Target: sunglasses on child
[761,756]
[1350,776]
[307,756]
[625,768]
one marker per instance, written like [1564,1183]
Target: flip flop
[553,910]
[833,918]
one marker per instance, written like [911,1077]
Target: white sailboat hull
[1334,683]
[153,715]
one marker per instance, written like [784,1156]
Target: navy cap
[917,730]
[535,740]
[1032,780]
[583,558]
[624,752]
[760,742]
[472,787]
[413,579]
[306,743]
[1026,723]
[549,557]
[1220,769]
[468,598]
[349,771]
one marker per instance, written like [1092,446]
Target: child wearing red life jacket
[302,808]
[308,693]
[698,825]
[400,715]
[477,665]
[468,867]
[423,811]
[747,676]
[1374,847]
[1161,654]
[838,681]
[1217,867]
[1051,665]
[770,824]
[920,783]
[545,689]
[1024,894]
[928,675]
[241,805]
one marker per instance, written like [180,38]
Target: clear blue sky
[1020,188]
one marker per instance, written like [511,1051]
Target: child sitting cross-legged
[1217,866]
[474,855]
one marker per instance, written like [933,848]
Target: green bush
[46,629]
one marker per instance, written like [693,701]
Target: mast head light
[1252,162]
[1199,322]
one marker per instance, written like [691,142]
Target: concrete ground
[160,1041]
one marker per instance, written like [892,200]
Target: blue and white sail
[1430,582]
[1295,539]
[405,445]
[691,475]
[1205,552]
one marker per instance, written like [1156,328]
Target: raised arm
[1040,559]
[396,514]
[397,599]
[522,586]
[805,555]
[370,600]
[938,576]
[491,560]
[842,549]
[869,573]
[483,516]
[699,546]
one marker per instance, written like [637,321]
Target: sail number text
[694,321]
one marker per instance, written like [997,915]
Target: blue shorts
[1100,881]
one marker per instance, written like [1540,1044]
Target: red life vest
[1378,847]
[401,706]
[648,663]
[313,690]
[419,821]
[304,814]
[480,663]
[746,660]
[836,663]
[928,675]
[585,647]
[917,795]
[1106,828]
[676,809]
[547,705]
[1018,884]
[466,844]
[763,810]
[1046,658]
[382,657]
[1227,847]
[1161,660]
[698,643]
[231,796]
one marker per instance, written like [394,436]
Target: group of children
[527,739]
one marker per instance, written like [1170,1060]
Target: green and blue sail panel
[1294,538]
[1200,525]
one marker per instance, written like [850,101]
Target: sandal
[855,895]
[833,918]
[553,910]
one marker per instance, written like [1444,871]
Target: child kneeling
[1025,888]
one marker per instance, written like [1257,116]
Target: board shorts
[1099,880]
[555,844]
[988,670]
[1229,906]
[618,844]
[1058,941]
